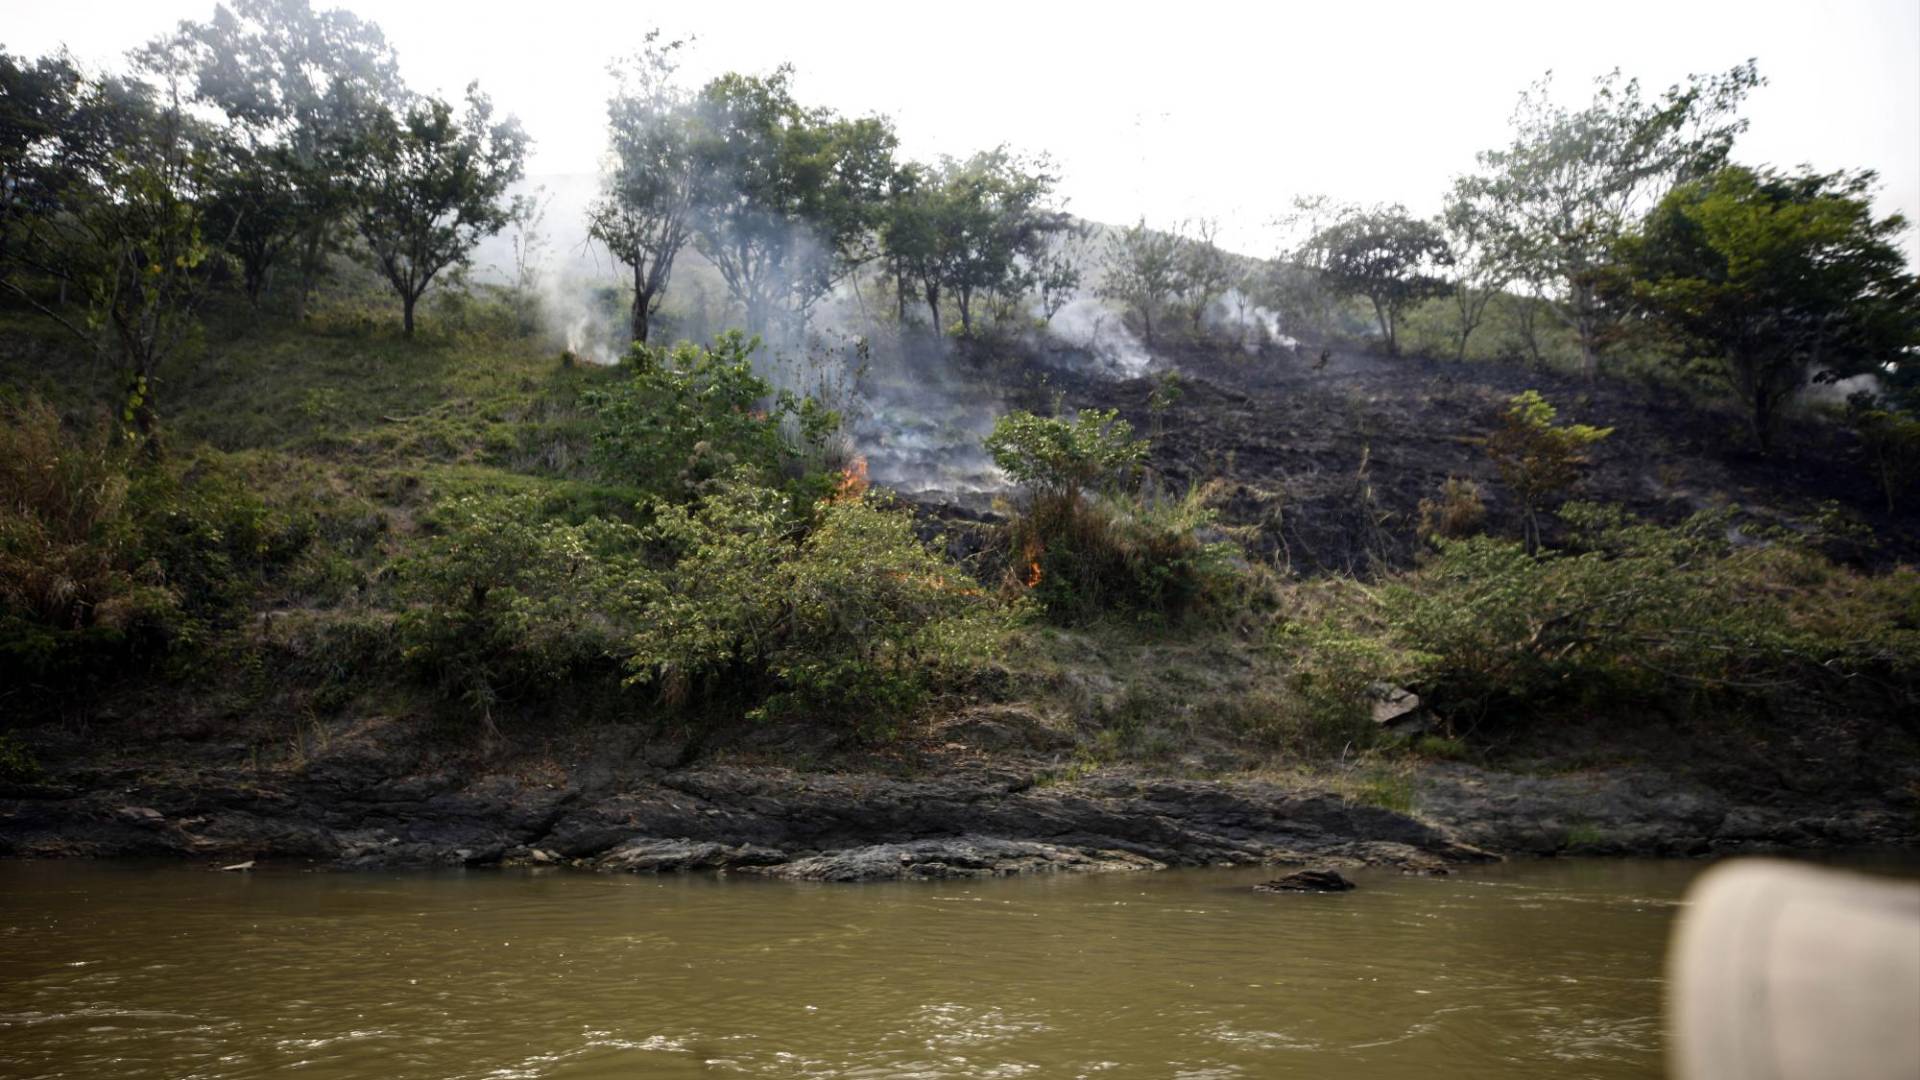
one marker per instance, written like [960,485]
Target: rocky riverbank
[365,805]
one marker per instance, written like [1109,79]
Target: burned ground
[1323,468]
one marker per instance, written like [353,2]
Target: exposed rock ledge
[365,810]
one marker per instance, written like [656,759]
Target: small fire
[1033,574]
[853,479]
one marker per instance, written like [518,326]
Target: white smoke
[1253,324]
[1088,324]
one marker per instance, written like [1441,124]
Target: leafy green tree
[435,184]
[644,214]
[1572,181]
[1143,271]
[1202,271]
[254,204]
[1057,272]
[43,149]
[1538,459]
[300,88]
[1482,256]
[974,228]
[1387,256]
[109,199]
[1768,279]
[789,197]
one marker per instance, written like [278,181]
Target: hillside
[288,715]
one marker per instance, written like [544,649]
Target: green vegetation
[1678,617]
[1538,459]
[686,417]
[1088,542]
[447,520]
[1751,274]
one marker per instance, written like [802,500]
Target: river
[1524,969]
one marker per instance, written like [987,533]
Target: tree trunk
[1763,409]
[1386,326]
[642,303]
[406,306]
[966,313]
[933,305]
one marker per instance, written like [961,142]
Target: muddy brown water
[1530,969]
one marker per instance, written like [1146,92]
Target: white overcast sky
[1167,110]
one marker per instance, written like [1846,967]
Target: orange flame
[853,479]
[1033,574]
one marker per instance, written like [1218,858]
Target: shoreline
[363,809]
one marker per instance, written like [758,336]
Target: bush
[109,560]
[1457,514]
[684,419]
[1536,458]
[1636,610]
[1060,459]
[77,586]
[1892,439]
[1086,543]
[840,614]
[739,603]
[507,604]
[1123,554]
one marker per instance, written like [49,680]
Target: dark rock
[645,855]
[963,857]
[1307,881]
[143,816]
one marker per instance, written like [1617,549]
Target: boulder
[1307,881]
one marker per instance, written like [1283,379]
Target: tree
[1202,271]
[1386,256]
[1572,181]
[1481,252]
[255,206]
[1536,458]
[433,188]
[1296,278]
[1767,279]
[788,197]
[300,88]
[40,145]
[645,210]
[106,189]
[1142,271]
[976,228]
[1057,272]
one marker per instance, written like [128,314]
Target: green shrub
[686,418]
[1537,459]
[17,763]
[1056,458]
[1892,439]
[78,588]
[504,603]
[1636,610]
[838,615]
[1086,544]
